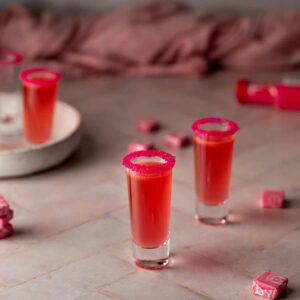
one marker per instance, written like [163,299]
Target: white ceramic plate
[17,158]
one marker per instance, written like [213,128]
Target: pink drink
[213,151]
[150,204]
[213,161]
[39,95]
[149,179]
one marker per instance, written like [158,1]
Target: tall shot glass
[213,154]
[39,98]
[10,96]
[149,179]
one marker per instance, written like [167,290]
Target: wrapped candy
[177,139]
[6,231]
[148,125]
[140,145]
[272,199]
[269,285]
[6,214]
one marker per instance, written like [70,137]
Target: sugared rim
[15,58]
[151,169]
[53,78]
[230,128]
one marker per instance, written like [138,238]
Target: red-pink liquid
[39,102]
[150,204]
[213,163]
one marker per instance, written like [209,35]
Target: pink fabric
[159,38]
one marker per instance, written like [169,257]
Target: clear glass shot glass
[39,98]
[213,153]
[10,96]
[149,179]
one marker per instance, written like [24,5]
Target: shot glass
[213,154]
[10,96]
[39,98]
[149,179]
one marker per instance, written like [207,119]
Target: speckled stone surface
[72,226]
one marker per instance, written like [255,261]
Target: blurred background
[234,6]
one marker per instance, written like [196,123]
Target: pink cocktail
[149,179]
[39,98]
[213,152]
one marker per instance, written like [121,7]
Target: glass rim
[15,58]
[230,129]
[25,76]
[168,164]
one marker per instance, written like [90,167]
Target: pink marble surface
[72,236]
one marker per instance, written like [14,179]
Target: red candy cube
[177,139]
[138,146]
[147,125]
[6,231]
[272,199]
[269,285]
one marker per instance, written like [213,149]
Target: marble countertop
[72,226]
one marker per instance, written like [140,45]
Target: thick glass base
[211,214]
[151,258]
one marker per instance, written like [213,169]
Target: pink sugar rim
[25,76]
[154,169]
[232,128]
[17,57]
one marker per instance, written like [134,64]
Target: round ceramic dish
[18,158]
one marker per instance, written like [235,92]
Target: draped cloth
[158,38]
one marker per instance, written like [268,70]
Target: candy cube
[139,145]
[177,139]
[4,207]
[6,231]
[272,199]
[148,125]
[269,285]
[6,218]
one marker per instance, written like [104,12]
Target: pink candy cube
[269,285]
[147,125]
[272,199]
[138,146]
[6,218]
[6,231]
[4,207]
[177,139]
